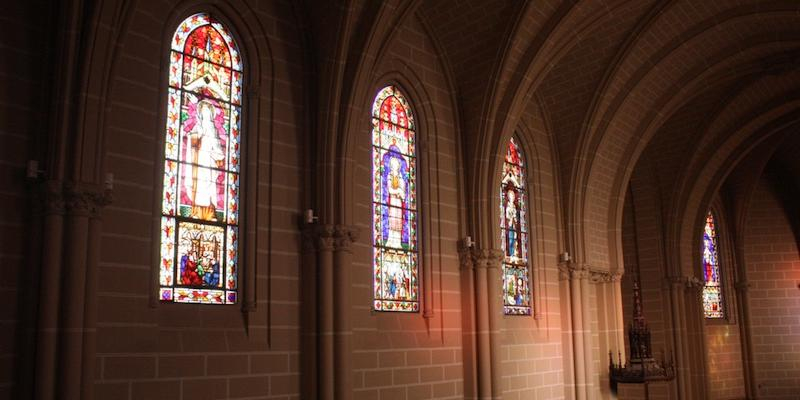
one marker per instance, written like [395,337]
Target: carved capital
[85,199]
[50,197]
[325,237]
[579,272]
[487,258]
[599,276]
[465,256]
[344,236]
[308,238]
[573,270]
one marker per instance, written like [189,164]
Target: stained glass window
[712,291]
[200,207]
[394,204]
[514,233]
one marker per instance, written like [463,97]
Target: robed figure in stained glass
[712,291]
[395,220]
[394,204]
[203,189]
[514,234]
[200,213]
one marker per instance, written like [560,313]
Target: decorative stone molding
[50,198]
[571,270]
[597,276]
[563,271]
[82,199]
[465,257]
[308,238]
[487,258]
[344,236]
[324,237]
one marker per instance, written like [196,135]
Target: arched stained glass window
[394,203]
[712,291]
[200,207]
[514,233]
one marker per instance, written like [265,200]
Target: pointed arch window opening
[199,249]
[394,204]
[712,290]
[514,232]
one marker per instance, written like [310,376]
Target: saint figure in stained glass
[712,291]
[514,233]
[200,206]
[395,269]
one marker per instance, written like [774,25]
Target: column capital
[324,237]
[328,237]
[49,196]
[574,270]
[344,236]
[601,276]
[85,199]
[487,258]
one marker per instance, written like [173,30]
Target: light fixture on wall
[468,242]
[309,217]
[564,257]
[109,181]
[32,171]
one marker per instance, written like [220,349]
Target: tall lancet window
[200,207]
[514,232]
[394,204]
[712,291]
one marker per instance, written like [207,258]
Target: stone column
[325,307]
[83,203]
[678,335]
[344,236]
[494,262]
[483,327]
[309,292]
[576,276]
[468,299]
[743,303]
[696,340]
[52,207]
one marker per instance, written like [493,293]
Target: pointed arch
[394,203]
[199,249]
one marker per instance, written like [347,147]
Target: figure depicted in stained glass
[712,291]
[204,181]
[394,194]
[394,204]
[199,243]
[514,235]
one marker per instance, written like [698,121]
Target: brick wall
[532,354]
[724,350]
[23,101]
[773,270]
[183,351]
[404,355]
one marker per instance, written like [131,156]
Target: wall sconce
[32,171]
[309,217]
